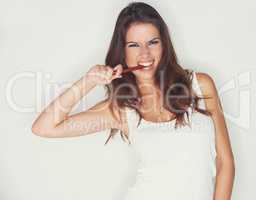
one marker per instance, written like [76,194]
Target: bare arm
[225,159]
[54,121]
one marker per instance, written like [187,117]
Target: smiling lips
[146,64]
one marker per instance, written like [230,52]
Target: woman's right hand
[104,74]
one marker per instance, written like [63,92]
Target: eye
[154,42]
[132,45]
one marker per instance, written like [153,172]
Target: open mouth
[146,64]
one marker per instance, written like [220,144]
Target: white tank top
[174,164]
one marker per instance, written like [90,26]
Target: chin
[145,75]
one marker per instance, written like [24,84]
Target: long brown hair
[169,72]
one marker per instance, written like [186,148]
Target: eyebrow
[148,41]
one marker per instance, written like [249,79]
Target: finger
[118,73]
[118,69]
[116,76]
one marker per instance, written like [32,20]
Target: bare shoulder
[208,88]
[205,81]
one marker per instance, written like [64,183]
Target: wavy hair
[125,92]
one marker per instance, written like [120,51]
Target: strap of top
[196,87]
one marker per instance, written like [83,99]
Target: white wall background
[55,42]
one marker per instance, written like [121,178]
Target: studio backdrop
[45,46]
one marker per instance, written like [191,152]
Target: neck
[146,86]
[150,94]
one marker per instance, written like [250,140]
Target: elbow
[37,131]
[42,132]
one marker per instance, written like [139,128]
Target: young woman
[171,116]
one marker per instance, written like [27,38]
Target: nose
[145,51]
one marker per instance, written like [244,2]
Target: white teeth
[146,64]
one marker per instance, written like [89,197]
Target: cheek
[158,52]
[130,56]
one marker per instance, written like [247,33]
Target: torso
[173,161]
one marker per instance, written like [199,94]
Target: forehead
[141,32]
